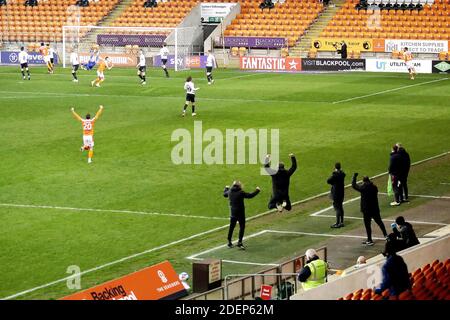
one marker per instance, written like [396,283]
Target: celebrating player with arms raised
[88,131]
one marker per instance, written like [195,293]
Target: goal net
[122,44]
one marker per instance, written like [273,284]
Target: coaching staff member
[343,50]
[337,194]
[280,183]
[236,197]
[369,206]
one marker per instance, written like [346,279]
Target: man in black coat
[405,166]
[236,197]
[369,206]
[337,194]
[404,232]
[395,170]
[343,50]
[280,184]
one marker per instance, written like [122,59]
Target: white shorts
[88,141]
[409,65]
[100,74]
[47,59]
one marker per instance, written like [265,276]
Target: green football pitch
[58,211]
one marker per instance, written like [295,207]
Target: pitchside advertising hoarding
[397,65]
[288,64]
[121,40]
[319,64]
[418,46]
[118,59]
[192,61]
[12,57]
[294,64]
[440,66]
[153,283]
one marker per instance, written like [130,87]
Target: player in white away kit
[75,61]
[210,64]
[23,60]
[141,67]
[53,55]
[164,54]
[407,57]
[190,95]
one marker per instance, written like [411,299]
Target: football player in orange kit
[44,51]
[88,131]
[104,63]
[407,57]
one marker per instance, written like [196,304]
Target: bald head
[361,260]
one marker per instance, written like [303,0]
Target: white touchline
[390,220]
[422,196]
[183,240]
[322,234]
[389,90]
[224,245]
[14,205]
[331,207]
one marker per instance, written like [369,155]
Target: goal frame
[174,30]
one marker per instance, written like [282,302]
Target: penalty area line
[389,90]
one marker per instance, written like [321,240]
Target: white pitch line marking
[13,205]
[390,220]
[389,90]
[445,183]
[182,240]
[422,196]
[322,234]
[331,207]
[224,245]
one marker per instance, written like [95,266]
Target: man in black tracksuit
[337,194]
[395,170]
[404,232]
[280,184]
[369,206]
[237,210]
[405,165]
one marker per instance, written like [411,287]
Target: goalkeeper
[93,60]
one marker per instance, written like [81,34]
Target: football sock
[23,74]
[90,154]
[185,107]
[74,74]
[143,78]
[193,108]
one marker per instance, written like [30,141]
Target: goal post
[123,43]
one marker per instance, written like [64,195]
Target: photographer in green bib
[314,273]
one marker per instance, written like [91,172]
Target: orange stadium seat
[417,24]
[431,282]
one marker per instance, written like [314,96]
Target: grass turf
[132,170]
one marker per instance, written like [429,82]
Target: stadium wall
[370,275]
[209,42]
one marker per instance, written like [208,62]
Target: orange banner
[153,283]
[378,45]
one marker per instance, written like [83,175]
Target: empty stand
[165,15]
[430,23]
[288,20]
[44,22]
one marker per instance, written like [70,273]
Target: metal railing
[248,286]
